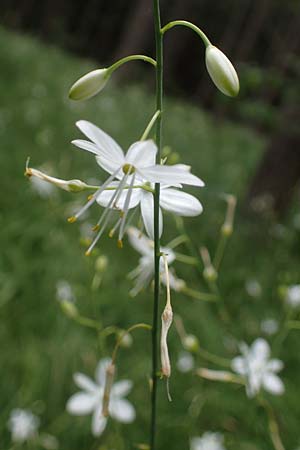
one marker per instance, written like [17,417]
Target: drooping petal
[81,404]
[122,410]
[272,383]
[98,421]
[274,365]
[110,149]
[100,373]
[142,154]
[84,382]
[239,365]
[121,388]
[147,210]
[171,175]
[180,203]
[139,241]
[104,198]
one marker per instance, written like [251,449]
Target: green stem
[159,107]
[122,61]
[150,125]
[199,295]
[220,251]
[187,24]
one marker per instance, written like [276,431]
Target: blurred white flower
[292,295]
[269,326]
[253,288]
[64,291]
[208,441]
[23,425]
[90,399]
[144,272]
[185,362]
[258,369]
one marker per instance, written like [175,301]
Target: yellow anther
[111,233]
[120,243]
[96,228]
[72,219]
[90,197]
[88,252]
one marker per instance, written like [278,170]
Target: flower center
[128,169]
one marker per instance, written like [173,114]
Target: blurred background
[248,147]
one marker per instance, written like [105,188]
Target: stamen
[126,208]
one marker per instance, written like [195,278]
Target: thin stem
[145,326]
[122,61]
[273,425]
[150,125]
[187,24]
[199,295]
[159,107]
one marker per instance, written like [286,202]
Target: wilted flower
[292,295]
[89,85]
[66,185]
[208,441]
[258,369]
[144,273]
[221,71]
[23,425]
[185,362]
[90,399]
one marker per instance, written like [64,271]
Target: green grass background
[41,348]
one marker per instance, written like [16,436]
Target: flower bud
[69,308]
[126,340]
[221,71]
[89,85]
[190,343]
[66,185]
[101,263]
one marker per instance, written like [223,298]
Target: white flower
[133,169]
[64,291]
[269,326]
[185,362]
[292,295]
[90,399]
[144,273]
[23,425]
[258,369]
[253,288]
[208,441]
[221,71]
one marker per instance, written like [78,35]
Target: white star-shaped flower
[23,425]
[144,272]
[135,168]
[208,441]
[258,369]
[90,399]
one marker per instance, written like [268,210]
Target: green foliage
[41,348]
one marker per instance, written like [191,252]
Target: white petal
[272,383]
[139,241]
[121,388]
[85,382]
[81,404]
[147,205]
[98,422]
[100,374]
[109,146]
[87,145]
[110,165]
[142,154]
[122,410]
[170,175]
[260,350]
[238,364]
[104,198]
[274,365]
[180,203]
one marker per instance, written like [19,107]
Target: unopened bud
[109,379]
[126,340]
[221,71]
[210,274]
[226,230]
[69,309]
[101,263]
[89,85]
[190,343]
[217,375]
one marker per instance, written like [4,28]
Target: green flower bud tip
[191,343]
[89,85]
[221,71]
